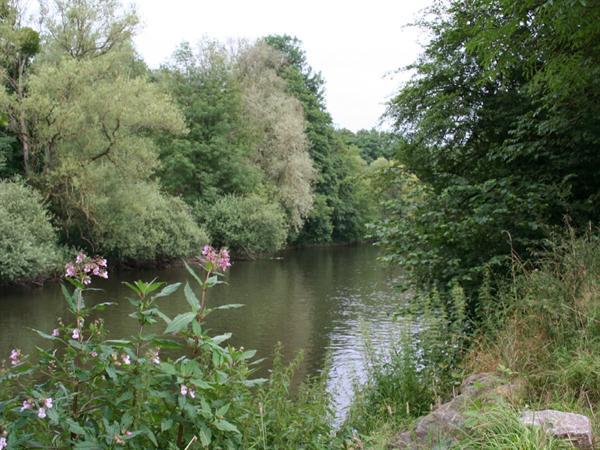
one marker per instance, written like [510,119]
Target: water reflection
[318,300]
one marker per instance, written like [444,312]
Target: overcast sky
[355,44]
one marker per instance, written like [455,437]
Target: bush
[144,224]
[248,226]
[28,242]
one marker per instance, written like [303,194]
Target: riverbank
[543,335]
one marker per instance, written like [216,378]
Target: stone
[440,428]
[576,428]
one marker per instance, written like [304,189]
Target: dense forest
[231,145]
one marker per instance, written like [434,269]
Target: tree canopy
[499,126]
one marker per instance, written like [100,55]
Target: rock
[575,428]
[439,428]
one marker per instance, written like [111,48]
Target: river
[319,300]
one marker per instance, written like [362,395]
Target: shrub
[249,226]
[28,242]
[147,391]
[144,224]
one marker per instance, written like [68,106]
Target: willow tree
[277,119]
[91,117]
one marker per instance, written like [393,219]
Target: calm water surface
[320,300]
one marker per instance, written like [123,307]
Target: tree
[19,44]
[89,146]
[499,130]
[86,28]
[331,215]
[215,157]
[277,118]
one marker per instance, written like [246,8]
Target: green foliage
[284,417]
[249,226]
[497,125]
[10,162]
[372,143]
[28,242]
[338,212]
[162,227]
[497,426]
[88,391]
[214,158]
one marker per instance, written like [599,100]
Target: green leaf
[230,306]
[168,290]
[223,425]
[222,410]
[221,338]
[166,344]
[102,306]
[166,424]
[193,273]
[74,427]
[205,435]
[191,298]
[180,322]
[44,335]
[248,354]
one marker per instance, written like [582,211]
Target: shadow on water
[318,300]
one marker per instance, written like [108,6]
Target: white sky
[355,44]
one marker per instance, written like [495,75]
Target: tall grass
[548,332]
[497,427]
[418,373]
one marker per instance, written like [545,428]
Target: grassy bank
[540,329]
[548,331]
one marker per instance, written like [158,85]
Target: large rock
[575,428]
[440,428]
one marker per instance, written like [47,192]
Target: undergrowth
[548,333]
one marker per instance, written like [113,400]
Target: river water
[322,301]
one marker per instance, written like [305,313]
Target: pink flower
[221,259]
[41,413]
[224,260]
[93,354]
[84,267]
[55,332]
[126,359]
[183,389]
[70,270]
[48,403]
[3,443]
[26,405]
[76,334]
[15,356]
